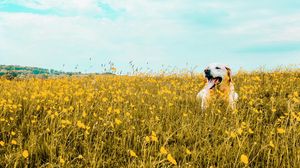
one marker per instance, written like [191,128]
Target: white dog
[219,79]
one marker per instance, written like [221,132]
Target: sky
[82,35]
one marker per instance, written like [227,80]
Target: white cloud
[59,4]
[274,29]
[51,39]
[149,30]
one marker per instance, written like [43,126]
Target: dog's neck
[221,87]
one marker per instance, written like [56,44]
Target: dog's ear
[229,73]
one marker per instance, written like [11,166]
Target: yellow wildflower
[84,114]
[132,153]
[154,137]
[272,144]
[66,99]
[239,131]
[187,151]
[25,154]
[118,121]
[244,159]
[80,125]
[233,134]
[163,151]
[118,111]
[147,139]
[61,160]
[171,159]
[250,131]
[280,130]
[104,99]
[14,142]
[113,69]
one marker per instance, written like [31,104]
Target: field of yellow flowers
[149,121]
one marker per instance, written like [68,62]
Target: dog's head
[216,73]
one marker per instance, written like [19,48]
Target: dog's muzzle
[213,81]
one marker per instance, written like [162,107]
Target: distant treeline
[20,71]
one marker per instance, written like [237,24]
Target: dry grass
[121,121]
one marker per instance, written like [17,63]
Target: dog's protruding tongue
[212,83]
[216,81]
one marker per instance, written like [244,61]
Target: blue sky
[150,33]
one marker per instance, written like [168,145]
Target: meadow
[149,121]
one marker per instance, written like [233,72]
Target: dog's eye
[218,68]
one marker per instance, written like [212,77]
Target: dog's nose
[207,71]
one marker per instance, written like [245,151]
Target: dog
[219,85]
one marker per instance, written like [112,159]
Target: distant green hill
[16,71]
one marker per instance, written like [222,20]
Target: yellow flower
[171,159]
[154,137]
[66,122]
[295,94]
[84,114]
[13,133]
[25,154]
[163,151]
[280,130]
[235,111]
[244,159]
[233,134]
[61,160]
[2,143]
[147,139]
[38,108]
[250,131]
[239,131]
[80,125]
[272,144]
[14,142]
[118,111]
[66,99]
[80,157]
[49,112]
[132,153]
[104,99]
[118,121]
[187,151]
[113,69]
